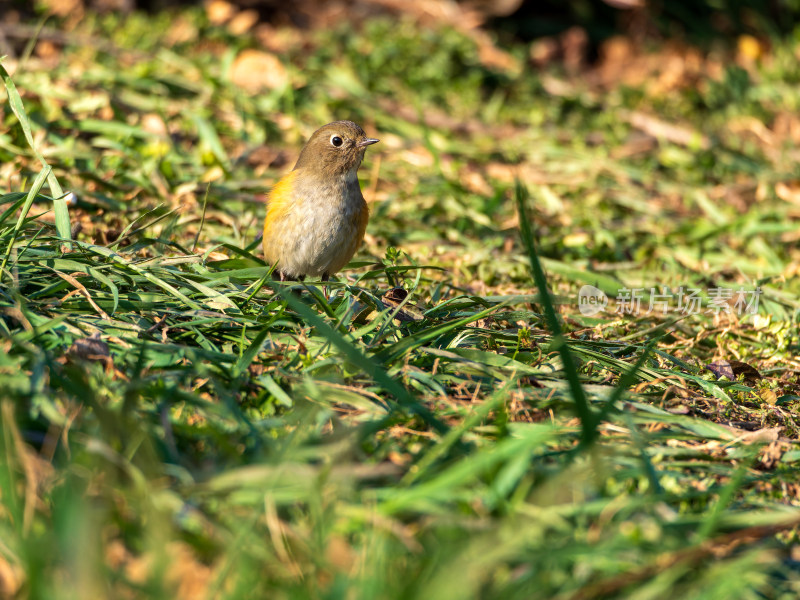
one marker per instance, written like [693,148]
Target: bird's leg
[324,278]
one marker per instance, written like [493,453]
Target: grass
[177,425]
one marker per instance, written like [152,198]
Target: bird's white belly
[325,238]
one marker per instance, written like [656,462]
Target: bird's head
[335,149]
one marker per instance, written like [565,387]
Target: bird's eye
[336,140]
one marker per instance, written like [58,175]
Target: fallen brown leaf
[255,70]
[243,22]
[219,11]
[92,349]
[772,453]
[658,128]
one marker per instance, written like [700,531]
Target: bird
[316,215]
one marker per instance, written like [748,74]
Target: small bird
[316,215]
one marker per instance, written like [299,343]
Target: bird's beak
[367,142]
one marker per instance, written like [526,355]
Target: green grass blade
[59,203]
[365,363]
[588,420]
[32,193]
[416,340]
[455,433]
[208,136]
[120,260]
